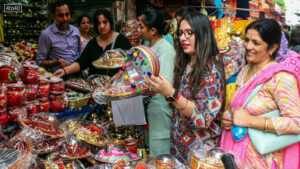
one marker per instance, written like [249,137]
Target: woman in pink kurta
[279,91]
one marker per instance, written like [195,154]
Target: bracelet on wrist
[65,71]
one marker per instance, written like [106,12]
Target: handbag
[265,142]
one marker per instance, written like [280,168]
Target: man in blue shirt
[59,44]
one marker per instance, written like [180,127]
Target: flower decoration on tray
[44,124]
[111,59]
[114,154]
[130,81]
[87,132]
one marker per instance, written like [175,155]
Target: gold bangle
[266,125]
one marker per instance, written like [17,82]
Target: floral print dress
[208,101]
[280,92]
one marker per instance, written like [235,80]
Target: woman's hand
[240,117]
[59,73]
[160,85]
[226,120]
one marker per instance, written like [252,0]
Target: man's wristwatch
[173,98]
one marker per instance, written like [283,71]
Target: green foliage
[281,3]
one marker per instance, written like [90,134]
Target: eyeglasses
[187,33]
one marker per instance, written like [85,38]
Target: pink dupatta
[292,153]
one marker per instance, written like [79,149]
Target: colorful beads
[135,54]
[126,77]
[140,57]
[126,59]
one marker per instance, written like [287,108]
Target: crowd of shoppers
[190,88]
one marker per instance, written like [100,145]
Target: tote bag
[265,142]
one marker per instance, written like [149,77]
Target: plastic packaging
[16,112]
[30,74]
[15,94]
[114,154]
[16,154]
[110,59]
[87,132]
[47,145]
[43,105]
[31,107]
[44,87]
[7,74]
[3,118]
[44,124]
[58,102]
[130,31]
[238,133]
[57,162]
[74,149]
[30,92]
[3,97]
[56,84]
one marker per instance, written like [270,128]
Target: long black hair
[155,19]
[269,30]
[205,50]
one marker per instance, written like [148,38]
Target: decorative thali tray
[44,124]
[111,59]
[87,132]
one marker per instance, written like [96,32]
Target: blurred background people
[295,39]
[84,26]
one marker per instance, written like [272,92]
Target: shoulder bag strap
[253,93]
[114,41]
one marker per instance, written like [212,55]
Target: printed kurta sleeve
[43,48]
[209,101]
[286,95]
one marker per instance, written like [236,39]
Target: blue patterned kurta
[208,104]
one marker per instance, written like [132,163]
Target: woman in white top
[84,26]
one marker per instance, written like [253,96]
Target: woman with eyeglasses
[106,39]
[152,28]
[198,90]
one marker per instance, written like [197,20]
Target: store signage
[12,7]
[277,8]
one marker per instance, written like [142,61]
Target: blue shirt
[54,44]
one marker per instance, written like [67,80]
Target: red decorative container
[43,105]
[56,84]
[58,102]
[44,87]
[31,107]
[3,118]
[8,74]
[16,112]
[30,74]
[3,98]
[15,94]
[30,92]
